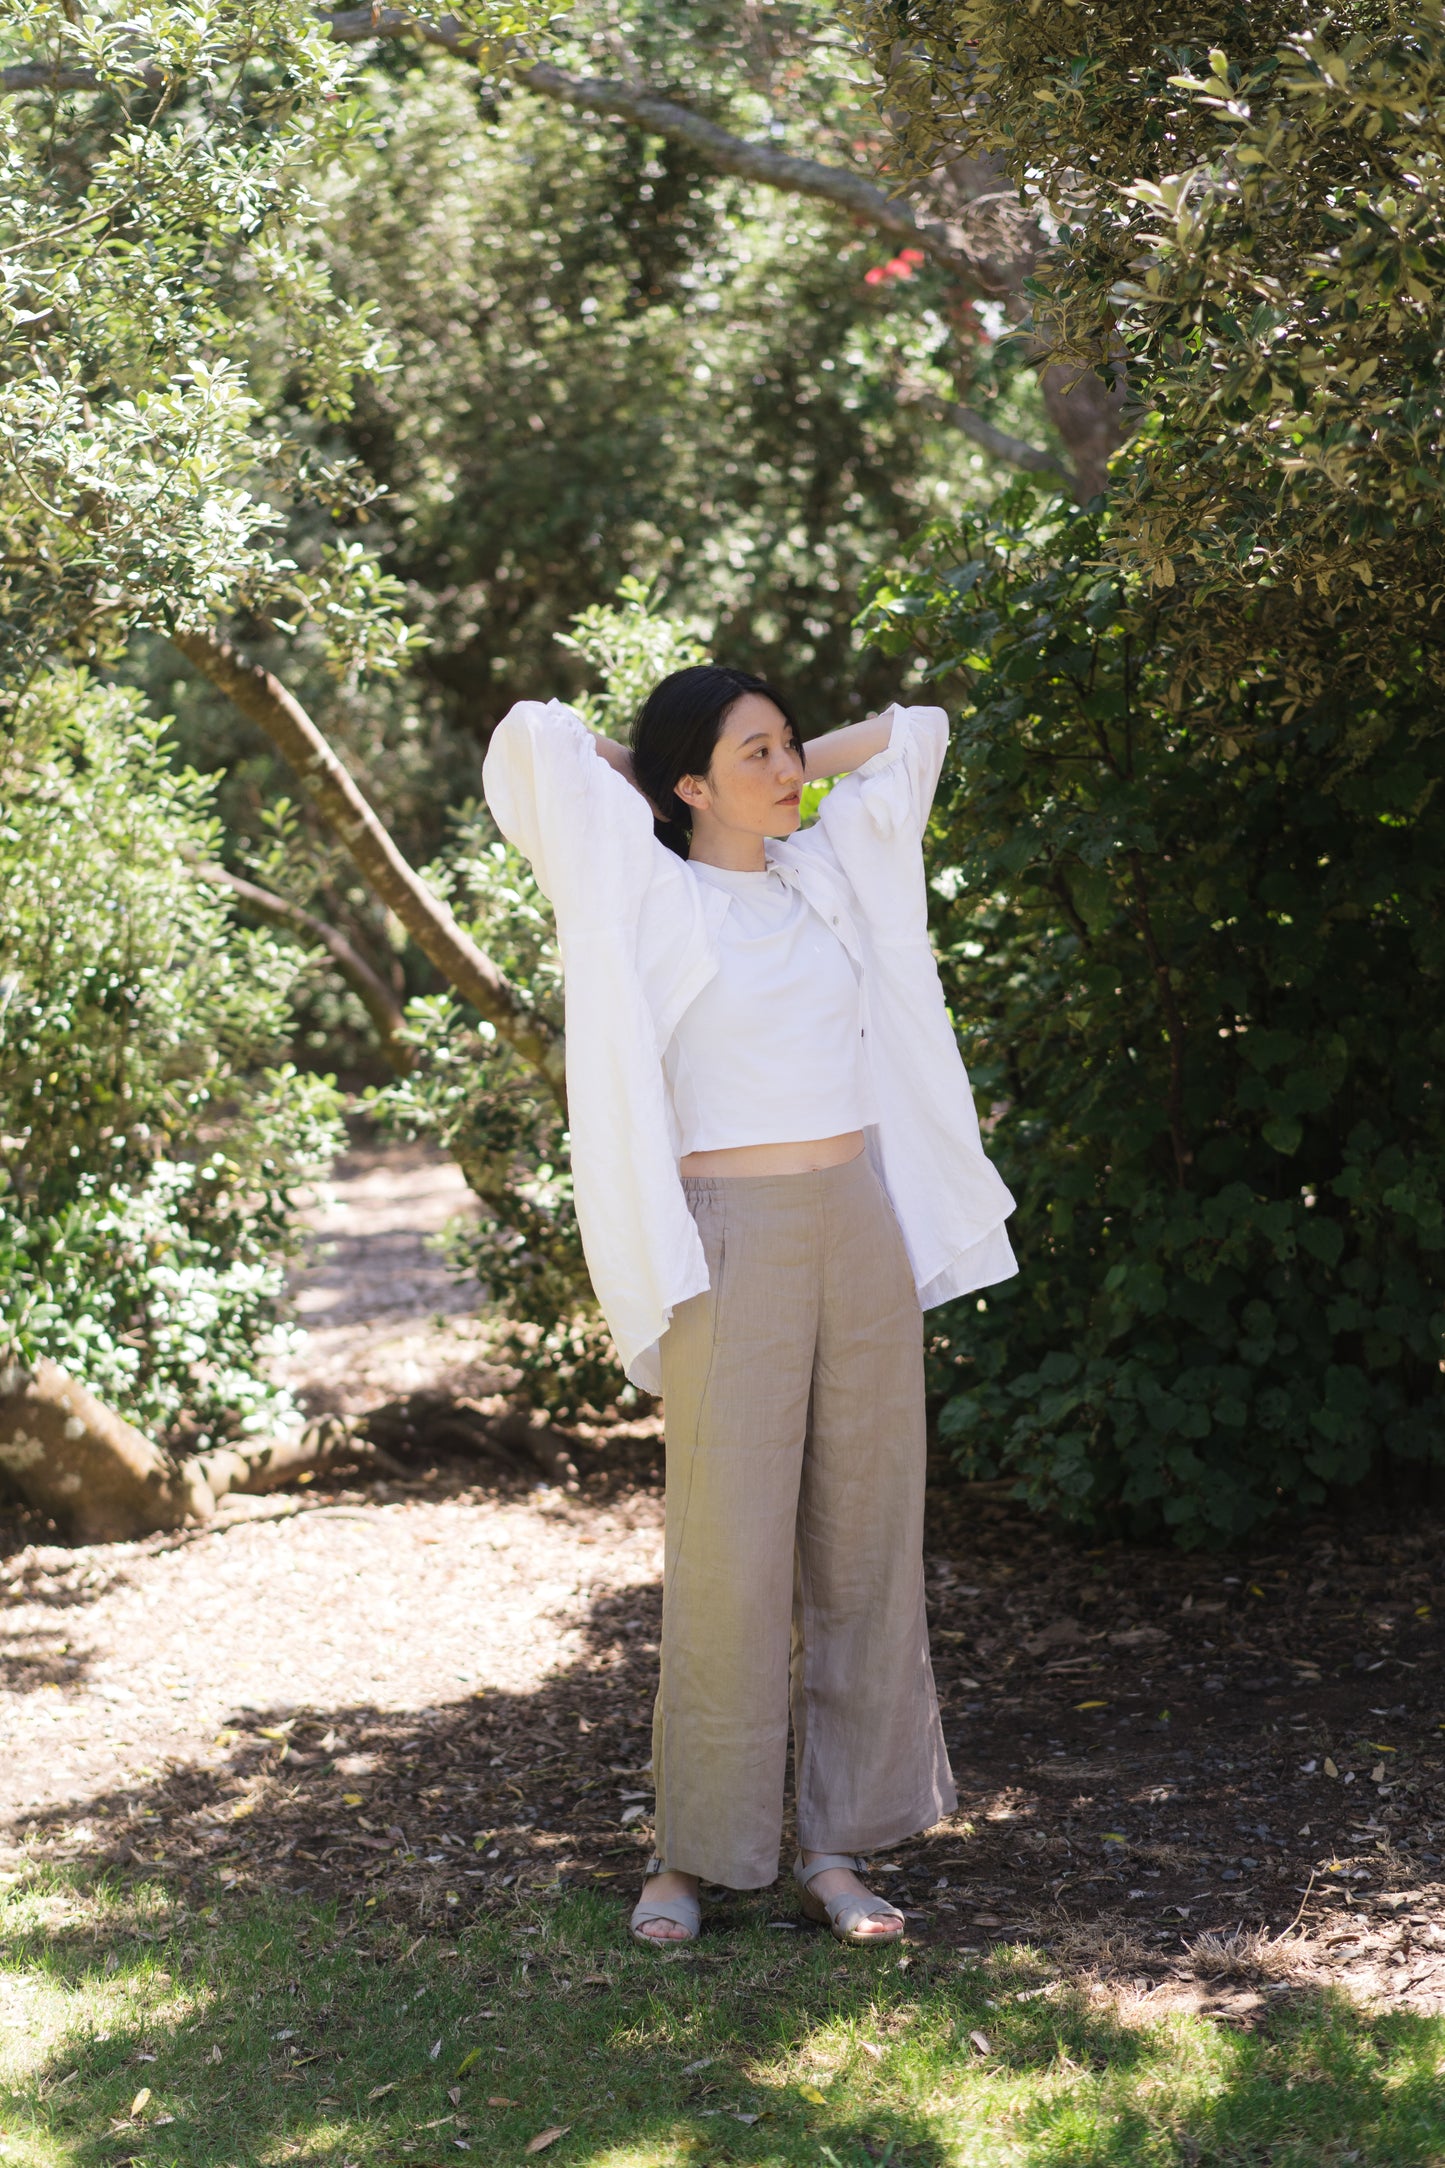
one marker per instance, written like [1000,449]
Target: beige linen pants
[793,1395]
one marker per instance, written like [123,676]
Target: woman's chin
[786,821]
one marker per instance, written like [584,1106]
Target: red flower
[897,267]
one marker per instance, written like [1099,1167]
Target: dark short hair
[675,733]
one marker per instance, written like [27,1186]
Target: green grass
[275,2026]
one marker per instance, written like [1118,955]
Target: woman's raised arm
[839,752]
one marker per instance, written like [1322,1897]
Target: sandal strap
[804,1873]
[677,1911]
[848,1910]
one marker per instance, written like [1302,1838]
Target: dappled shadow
[1136,1794]
[266,2030]
[30,1661]
[1139,1826]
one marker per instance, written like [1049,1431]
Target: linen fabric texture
[639,939]
[794,1548]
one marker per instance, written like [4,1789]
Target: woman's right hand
[619,758]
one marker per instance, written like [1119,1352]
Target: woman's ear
[692,790]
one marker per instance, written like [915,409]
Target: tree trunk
[93,1472]
[1090,417]
[345,811]
[375,995]
[102,1481]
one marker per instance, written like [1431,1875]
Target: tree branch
[850,192]
[376,996]
[346,812]
[949,245]
[1013,451]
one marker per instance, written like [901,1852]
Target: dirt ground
[1201,1780]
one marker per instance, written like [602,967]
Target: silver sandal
[677,1911]
[845,1913]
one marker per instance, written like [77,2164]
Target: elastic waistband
[696,1185]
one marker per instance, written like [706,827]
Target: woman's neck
[731,850]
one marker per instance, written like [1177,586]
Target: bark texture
[103,1481]
[344,809]
[94,1473]
[371,989]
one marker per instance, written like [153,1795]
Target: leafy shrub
[469,1094]
[1202,990]
[150,1148]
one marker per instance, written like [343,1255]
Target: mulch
[1216,1776]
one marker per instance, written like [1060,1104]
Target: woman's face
[755,781]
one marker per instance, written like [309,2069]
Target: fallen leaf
[871,2047]
[979,2040]
[473,2055]
[544,2138]
[215,2055]
[811,2093]
[454,2095]
[1377,1774]
[500,2100]
[690,2070]
[351,1799]
[597,1979]
[433,2051]
[140,2100]
[744,2118]
[1091,1704]
[1330,1769]
[377,2090]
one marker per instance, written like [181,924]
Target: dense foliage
[603,360]
[1251,217]
[152,1135]
[1206,1002]
[1189,871]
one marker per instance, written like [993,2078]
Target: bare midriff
[805,1158]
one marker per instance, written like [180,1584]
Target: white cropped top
[772,1050]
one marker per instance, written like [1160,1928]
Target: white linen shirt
[638,940]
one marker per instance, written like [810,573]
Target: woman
[777,1168]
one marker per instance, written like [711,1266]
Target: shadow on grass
[271,1946]
[252,2030]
